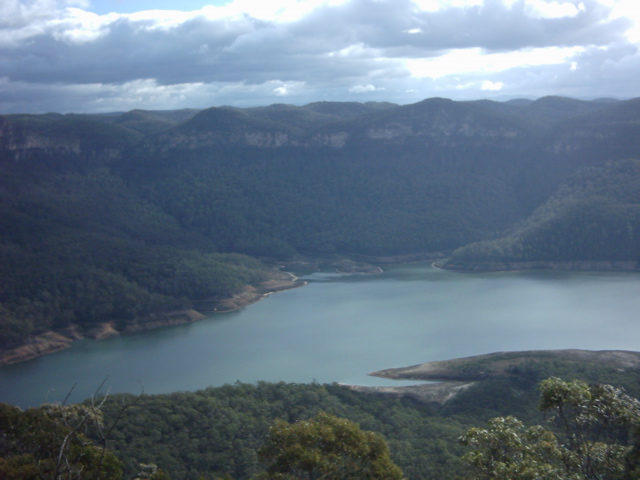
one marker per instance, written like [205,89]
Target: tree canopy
[326,447]
[51,443]
[592,439]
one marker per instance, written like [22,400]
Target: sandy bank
[480,367]
[456,375]
[277,282]
[440,392]
[54,341]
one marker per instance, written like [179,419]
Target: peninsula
[450,377]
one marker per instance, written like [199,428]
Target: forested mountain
[121,217]
[218,432]
[586,427]
[594,218]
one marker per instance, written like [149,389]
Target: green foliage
[82,248]
[595,217]
[507,450]
[116,217]
[632,464]
[594,424]
[218,432]
[50,442]
[151,472]
[326,447]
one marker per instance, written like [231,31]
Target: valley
[118,219]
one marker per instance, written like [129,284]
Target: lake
[340,327]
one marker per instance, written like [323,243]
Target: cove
[340,327]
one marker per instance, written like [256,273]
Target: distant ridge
[115,219]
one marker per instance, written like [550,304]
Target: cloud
[488,85]
[248,52]
[544,9]
[364,88]
[475,60]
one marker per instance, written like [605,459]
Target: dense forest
[594,217]
[122,217]
[228,432]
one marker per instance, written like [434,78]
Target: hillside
[592,221]
[454,377]
[217,431]
[120,219]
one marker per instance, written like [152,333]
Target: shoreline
[250,294]
[54,341]
[454,376]
[279,280]
[574,265]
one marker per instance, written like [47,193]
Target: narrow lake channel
[340,327]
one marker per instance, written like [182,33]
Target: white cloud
[282,89]
[474,60]
[80,26]
[626,9]
[98,97]
[545,9]
[364,88]
[428,5]
[58,55]
[436,5]
[489,85]
[279,11]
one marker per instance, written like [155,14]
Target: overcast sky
[117,55]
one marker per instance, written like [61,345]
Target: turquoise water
[340,327]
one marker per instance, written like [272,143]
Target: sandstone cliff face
[576,139]
[337,139]
[247,137]
[394,133]
[433,122]
[240,137]
[440,132]
[59,137]
[17,141]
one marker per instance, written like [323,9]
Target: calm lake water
[340,327]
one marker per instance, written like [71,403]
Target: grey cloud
[257,51]
[494,27]
[600,73]
[330,51]
[386,25]
[255,54]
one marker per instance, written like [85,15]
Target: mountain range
[119,218]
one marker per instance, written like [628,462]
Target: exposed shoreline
[454,376]
[55,341]
[279,280]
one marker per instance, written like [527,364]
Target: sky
[92,56]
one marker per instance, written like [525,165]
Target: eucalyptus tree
[590,438]
[326,447]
